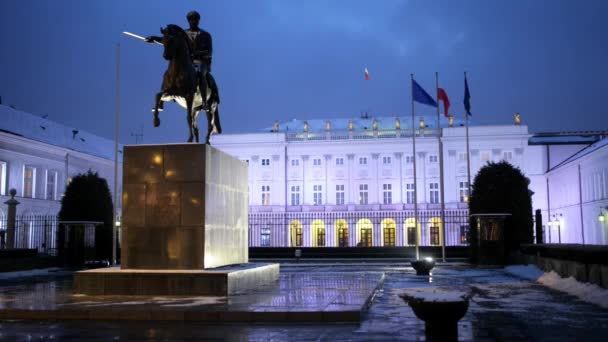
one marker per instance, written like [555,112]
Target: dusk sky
[284,59]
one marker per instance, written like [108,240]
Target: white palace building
[351,182]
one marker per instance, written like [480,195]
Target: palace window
[295,162]
[51,185]
[295,195]
[434,231]
[320,236]
[2,178]
[339,161]
[265,162]
[316,162]
[507,155]
[363,161]
[409,159]
[265,194]
[366,237]
[464,230]
[389,235]
[342,234]
[317,194]
[434,193]
[29,182]
[298,234]
[411,235]
[387,193]
[463,190]
[462,156]
[433,159]
[265,237]
[409,193]
[363,194]
[386,160]
[485,156]
[339,194]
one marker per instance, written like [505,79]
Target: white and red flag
[366,74]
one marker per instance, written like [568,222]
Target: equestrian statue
[188,80]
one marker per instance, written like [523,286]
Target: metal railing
[358,135]
[33,232]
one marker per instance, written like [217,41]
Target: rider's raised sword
[139,37]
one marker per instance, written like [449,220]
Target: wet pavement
[505,308]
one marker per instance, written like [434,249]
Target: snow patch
[585,291]
[528,272]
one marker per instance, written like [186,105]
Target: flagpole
[116,119]
[415,181]
[440,144]
[466,114]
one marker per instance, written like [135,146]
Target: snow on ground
[584,291]
[529,272]
[30,273]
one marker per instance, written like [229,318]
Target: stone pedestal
[184,220]
[185,206]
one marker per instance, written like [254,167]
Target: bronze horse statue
[180,84]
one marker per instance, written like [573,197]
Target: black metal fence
[34,232]
[393,228]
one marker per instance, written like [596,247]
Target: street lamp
[602,216]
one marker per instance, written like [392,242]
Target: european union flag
[467,96]
[422,96]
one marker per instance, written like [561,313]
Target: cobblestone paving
[505,308]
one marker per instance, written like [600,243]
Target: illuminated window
[387,193]
[464,230]
[317,194]
[265,237]
[339,161]
[29,181]
[340,194]
[485,156]
[389,233]
[265,162]
[434,193]
[295,195]
[463,190]
[265,194]
[409,193]
[434,231]
[51,185]
[411,235]
[342,233]
[320,236]
[363,194]
[2,178]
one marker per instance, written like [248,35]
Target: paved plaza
[505,308]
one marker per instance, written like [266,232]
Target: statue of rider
[201,51]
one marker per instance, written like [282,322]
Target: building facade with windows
[38,157]
[351,182]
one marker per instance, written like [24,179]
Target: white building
[349,182]
[38,157]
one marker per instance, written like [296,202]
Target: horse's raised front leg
[157,103]
[189,100]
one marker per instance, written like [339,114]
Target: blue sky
[284,59]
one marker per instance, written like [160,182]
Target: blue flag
[422,96]
[467,96]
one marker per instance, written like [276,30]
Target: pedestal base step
[221,281]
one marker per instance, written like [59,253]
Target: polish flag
[366,74]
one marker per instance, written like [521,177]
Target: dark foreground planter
[423,266]
[440,317]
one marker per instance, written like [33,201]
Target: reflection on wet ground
[506,308]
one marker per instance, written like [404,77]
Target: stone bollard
[11,219]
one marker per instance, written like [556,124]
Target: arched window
[412,230]
[435,233]
[388,231]
[364,233]
[318,233]
[341,233]
[295,229]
